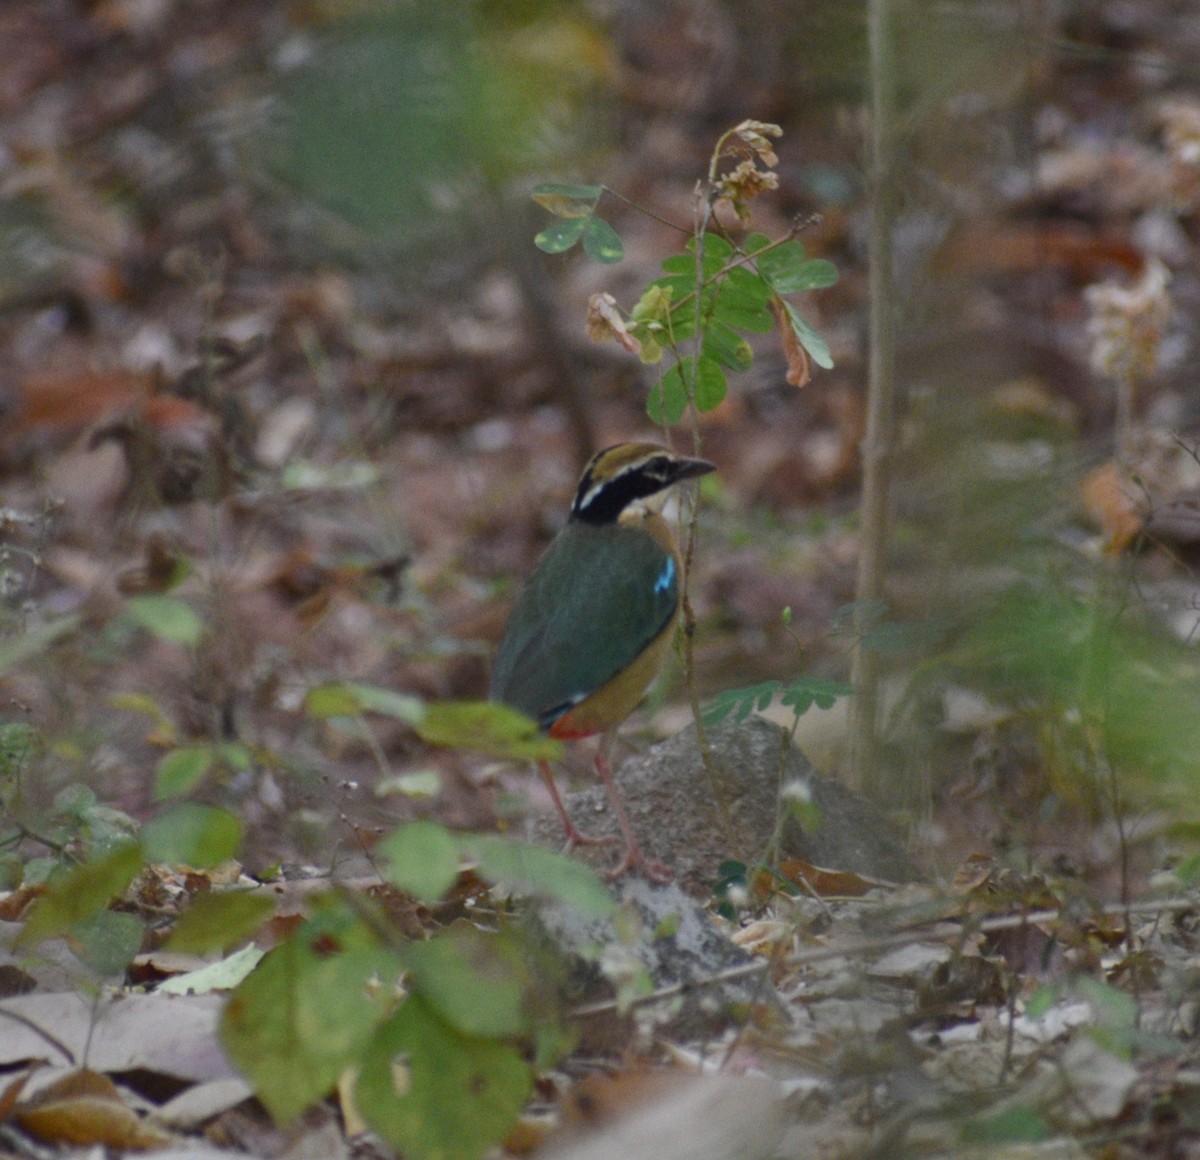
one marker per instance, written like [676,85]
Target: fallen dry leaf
[1109,497]
[86,1108]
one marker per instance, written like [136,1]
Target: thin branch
[869,946]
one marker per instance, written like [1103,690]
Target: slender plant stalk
[876,451]
[702,214]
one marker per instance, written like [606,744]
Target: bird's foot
[576,837]
[634,859]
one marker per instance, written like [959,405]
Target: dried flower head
[745,182]
[750,142]
[755,134]
[1127,323]
[604,321]
[1180,119]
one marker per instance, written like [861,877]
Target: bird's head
[627,473]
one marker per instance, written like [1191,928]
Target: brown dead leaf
[799,368]
[826,883]
[282,927]
[1109,498]
[673,1116]
[14,904]
[973,874]
[604,321]
[528,1135]
[160,570]
[598,1100]
[764,937]
[1027,247]
[172,449]
[10,1095]
[85,1108]
[62,403]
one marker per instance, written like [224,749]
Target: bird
[594,623]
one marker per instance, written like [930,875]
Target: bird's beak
[685,468]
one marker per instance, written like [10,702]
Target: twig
[41,1033]
[870,945]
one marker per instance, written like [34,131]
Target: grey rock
[673,806]
[662,941]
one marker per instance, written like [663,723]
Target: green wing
[597,598]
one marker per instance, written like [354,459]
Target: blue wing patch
[666,577]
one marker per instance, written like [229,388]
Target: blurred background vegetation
[278,347]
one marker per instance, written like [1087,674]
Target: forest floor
[341,445]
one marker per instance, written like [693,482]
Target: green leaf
[780,266]
[422,859]
[235,755]
[107,828]
[652,350]
[653,306]
[681,266]
[740,702]
[219,920]
[1042,999]
[1112,1006]
[29,643]
[815,274]
[349,699]
[16,747]
[716,248]
[743,302]
[523,869]
[331,700]
[1188,870]
[560,236]
[1017,1124]
[668,397]
[726,347]
[300,475]
[107,941]
[567,201]
[402,706]
[223,975]
[421,783]
[181,770]
[81,893]
[601,242]
[308,1010]
[756,242]
[190,834]
[717,253]
[486,727]
[801,695]
[167,617]
[12,865]
[434,1094]
[74,800]
[710,385]
[164,727]
[476,980]
[809,338]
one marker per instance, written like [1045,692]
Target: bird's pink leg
[633,858]
[574,836]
